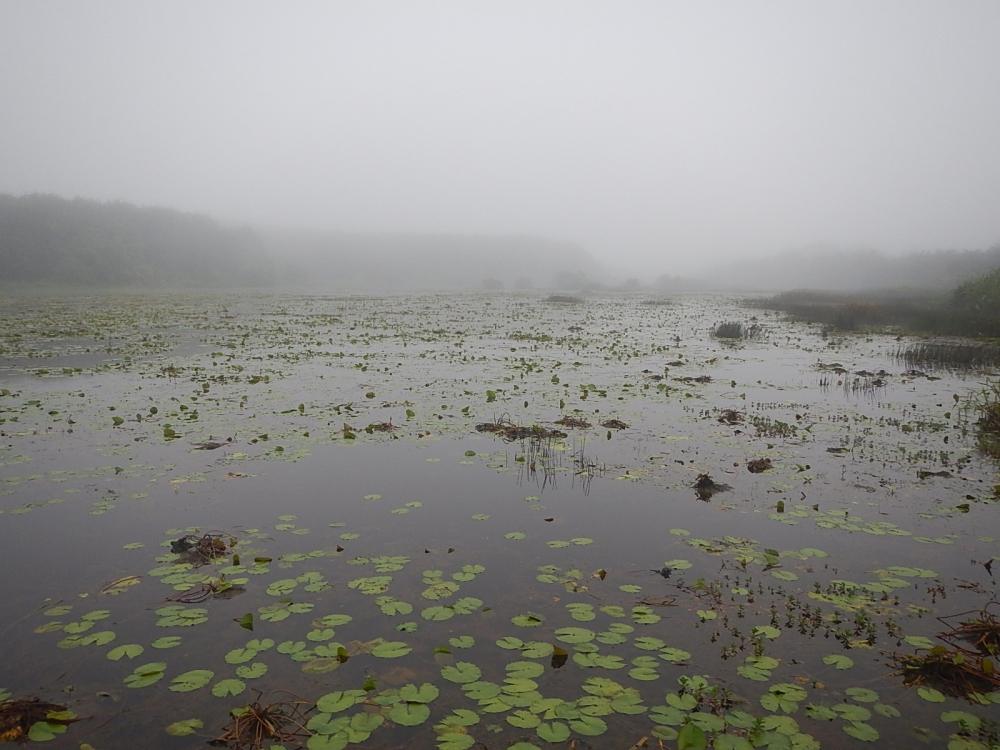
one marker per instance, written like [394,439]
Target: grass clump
[949,355]
[510,431]
[738,331]
[261,725]
[987,408]
[953,672]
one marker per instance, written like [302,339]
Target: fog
[660,137]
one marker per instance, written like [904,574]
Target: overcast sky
[677,134]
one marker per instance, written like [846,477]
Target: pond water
[367,568]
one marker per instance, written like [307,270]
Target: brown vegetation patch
[261,725]
[205,547]
[18,715]
[511,432]
[730,417]
[614,424]
[705,486]
[757,465]
[952,671]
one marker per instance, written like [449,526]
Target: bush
[980,295]
[970,310]
[733,329]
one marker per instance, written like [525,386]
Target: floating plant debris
[706,487]
[24,719]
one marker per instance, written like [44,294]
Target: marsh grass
[986,405]
[738,331]
[967,311]
[949,355]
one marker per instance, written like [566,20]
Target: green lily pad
[228,687]
[125,651]
[409,714]
[185,727]
[391,649]
[192,680]
[462,672]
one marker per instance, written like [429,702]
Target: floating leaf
[862,695]
[167,641]
[691,737]
[339,700]
[838,661]
[462,672]
[43,731]
[409,714]
[192,680]
[228,687]
[424,693]
[252,671]
[146,675]
[438,613]
[574,635]
[930,694]
[391,649]
[677,564]
[553,731]
[125,651]
[528,620]
[861,731]
[240,655]
[185,727]
[766,631]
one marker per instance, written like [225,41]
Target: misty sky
[675,133]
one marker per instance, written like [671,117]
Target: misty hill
[51,240]
[433,261]
[858,270]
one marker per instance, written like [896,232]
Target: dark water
[843,549]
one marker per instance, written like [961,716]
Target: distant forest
[57,242]
[50,240]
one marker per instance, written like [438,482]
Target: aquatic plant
[734,329]
[948,354]
[986,406]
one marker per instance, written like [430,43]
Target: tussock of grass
[261,725]
[987,408]
[736,330]
[949,355]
